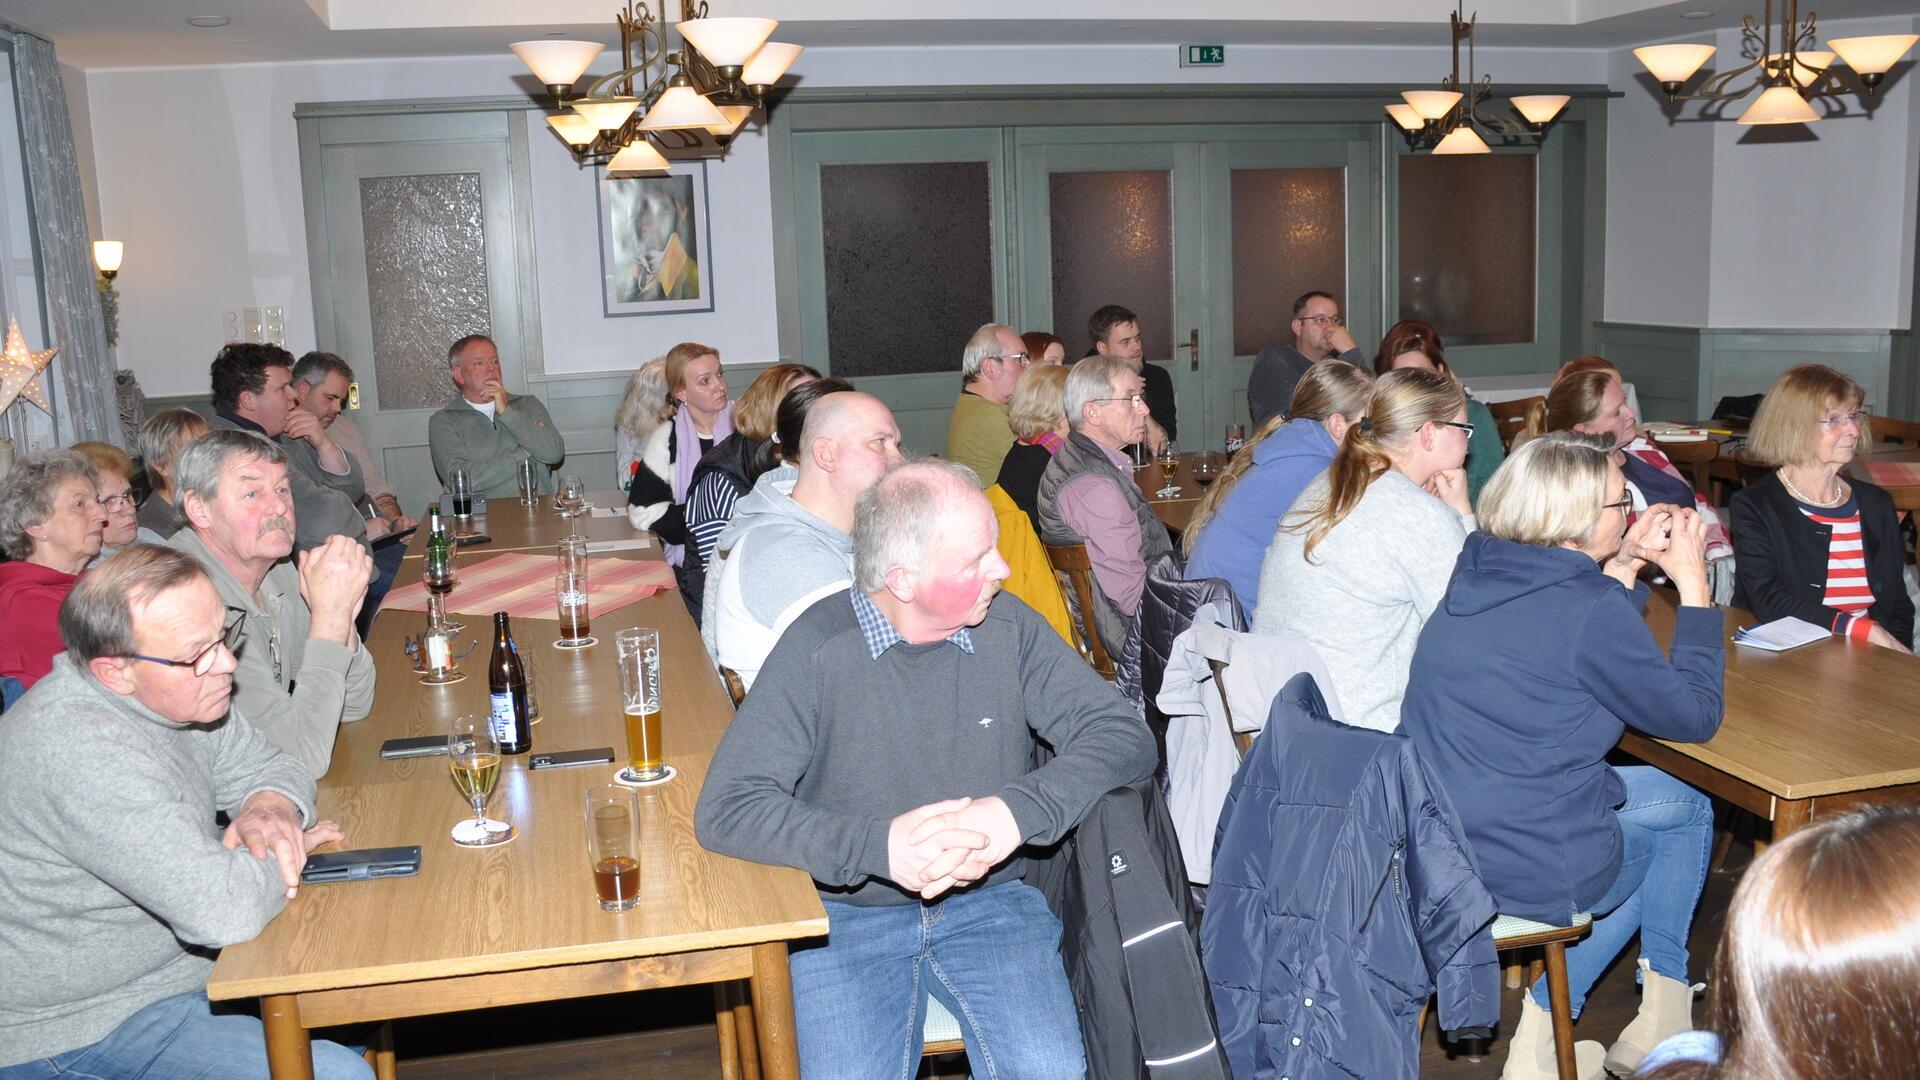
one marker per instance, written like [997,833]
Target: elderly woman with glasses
[51,525]
[1536,660]
[113,475]
[1808,541]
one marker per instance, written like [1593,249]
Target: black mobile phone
[420,746]
[565,758]
[471,539]
[361,865]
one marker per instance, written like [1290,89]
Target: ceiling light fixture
[693,98]
[1797,70]
[1452,121]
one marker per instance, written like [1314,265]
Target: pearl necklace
[1839,488]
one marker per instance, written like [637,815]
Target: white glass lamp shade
[1873,55]
[1779,105]
[557,63]
[727,42]
[606,114]
[1807,65]
[638,156]
[1540,108]
[1462,140]
[736,115]
[681,107]
[1405,116]
[107,254]
[771,62]
[1673,63]
[577,130]
[1431,104]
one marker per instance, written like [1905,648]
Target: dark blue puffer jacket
[1343,897]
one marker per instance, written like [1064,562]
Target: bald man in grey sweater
[116,890]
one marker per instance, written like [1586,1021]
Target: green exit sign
[1203,55]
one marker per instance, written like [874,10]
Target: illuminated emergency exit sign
[1203,55]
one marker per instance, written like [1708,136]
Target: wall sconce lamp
[106,256]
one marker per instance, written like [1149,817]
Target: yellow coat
[1033,579]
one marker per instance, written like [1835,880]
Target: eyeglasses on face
[1323,320]
[1020,358]
[1133,400]
[1468,428]
[203,661]
[114,503]
[1623,504]
[1840,420]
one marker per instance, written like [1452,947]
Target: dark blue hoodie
[1234,543]
[1523,680]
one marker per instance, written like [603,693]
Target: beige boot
[1666,1009]
[1530,1051]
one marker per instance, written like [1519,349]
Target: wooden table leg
[289,1047]
[773,1013]
[1789,815]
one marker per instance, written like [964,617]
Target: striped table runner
[1889,473]
[520,583]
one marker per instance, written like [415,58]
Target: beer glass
[1236,437]
[529,476]
[1169,462]
[474,756]
[460,485]
[613,845]
[570,594]
[639,652]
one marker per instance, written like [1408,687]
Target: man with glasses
[302,671]
[114,892]
[1088,495]
[978,435]
[1318,334]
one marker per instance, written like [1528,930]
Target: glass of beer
[613,845]
[1236,437]
[570,594]
[529,476]
[1169,462]
[460,486]
[474,756]
[639,651]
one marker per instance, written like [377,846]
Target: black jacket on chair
[1780,557]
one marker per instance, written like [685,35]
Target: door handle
[1192,343]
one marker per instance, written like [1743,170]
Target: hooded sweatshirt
[1232,545]
[772,562]
[1525,677]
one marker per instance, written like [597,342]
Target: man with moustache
[889,751]
[115,892]
[302,671]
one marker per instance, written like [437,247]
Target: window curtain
[84,367]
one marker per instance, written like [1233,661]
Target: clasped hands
[932,848]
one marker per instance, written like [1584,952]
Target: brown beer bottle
[507,683]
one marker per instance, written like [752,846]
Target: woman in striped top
[1809,542]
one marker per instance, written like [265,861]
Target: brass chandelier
[1451,120]
[1790,78]
[694,98]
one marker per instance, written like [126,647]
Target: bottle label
[502,718]
[437,652]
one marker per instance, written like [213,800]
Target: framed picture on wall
[655,247]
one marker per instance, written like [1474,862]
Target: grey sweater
[1276,372]
[492,449]
[114,888]
[833,744]
[1370,587]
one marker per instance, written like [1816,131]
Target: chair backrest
[736,689]
[1694,458]
[1070,561]
[1242,740]
[1887,429]
[1513,417]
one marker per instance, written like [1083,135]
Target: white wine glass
[1169,462]
[474,755]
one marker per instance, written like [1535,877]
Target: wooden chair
[1513,417]
[1696,459]
[1070,561]
[736,689]
[1886,429]
[1510,934]
[1242,740]
[740,1054]
[380,1054]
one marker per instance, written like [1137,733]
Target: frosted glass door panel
[1112,241]
[1289,236]
[1467,246]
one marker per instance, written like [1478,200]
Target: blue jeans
[182,1038]
[991,956]
[1666,833]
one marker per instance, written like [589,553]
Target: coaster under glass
[628,778]
[483,833]
[577,643]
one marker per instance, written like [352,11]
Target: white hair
[983,346]
[898,519]
[1092,380]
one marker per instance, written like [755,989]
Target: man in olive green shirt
[486,429]
[978,435]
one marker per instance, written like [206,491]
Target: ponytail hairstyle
[1326,389]
[1403,402]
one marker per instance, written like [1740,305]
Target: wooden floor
[668,1035]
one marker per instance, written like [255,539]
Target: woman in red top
[51,525]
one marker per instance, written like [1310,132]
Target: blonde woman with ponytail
[1235,521]
[1364,557]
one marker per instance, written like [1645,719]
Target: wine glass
[440,576]
[474,755]
[1169,462]
[1206,468]
[571,500]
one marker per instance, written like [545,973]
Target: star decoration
[20,370]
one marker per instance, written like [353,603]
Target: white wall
[199,173]
[1710,224]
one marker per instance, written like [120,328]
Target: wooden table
[1175,510]
[1813,731]
[518,528]
[1730,463]
[520,923]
